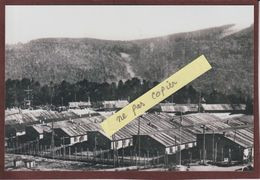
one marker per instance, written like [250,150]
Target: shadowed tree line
[61,93]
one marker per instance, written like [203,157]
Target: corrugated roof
[79,126]
[106,113]
[40,128]
[243,137]
[225,115]
[115,104]
[167,124]
[173,137]
[82,112]
[35,116]
[168,127]
[148,123]
[78,104]
[169,107]
[211,121]
[245,119]
[223,107]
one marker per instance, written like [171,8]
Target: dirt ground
[44,164]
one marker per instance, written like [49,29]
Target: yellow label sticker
[155,95]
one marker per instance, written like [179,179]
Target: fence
[109,157]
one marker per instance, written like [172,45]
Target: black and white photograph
[70,67]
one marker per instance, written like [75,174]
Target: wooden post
[222,154]
[190,156]
[113,143]
[15,147]
[180,138]
[109,156]
[18,150]
[44,149]
[34,149]
[81,153]
[101,155]
[117,160]
[87,153]
[167,159]
[144,160]
[229,155]
[139,139]
[26,148]
[94,154]
[76,152]
[29,149]
[148,157]
[158,158]
[213,148]
[153,160]
[23,148]
[38,146]
[135,159]
[200,154]
[204,144]
[64,148]
[131,157]
[216,151]
[69,152]
[52,139]
[123,154]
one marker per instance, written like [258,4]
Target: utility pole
[52,91]
[95,146]
[15,96]
[28,99]
[213,147]
[216,151]
[139,140]
[52,139]
[75,97]
[203,126]
[123,153]
[180,139]
[176,149]
[235,135]
[61,101]
[199,101]
[113,143]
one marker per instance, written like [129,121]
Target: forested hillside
[73,60]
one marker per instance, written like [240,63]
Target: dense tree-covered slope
[154,59]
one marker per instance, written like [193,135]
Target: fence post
[148,157]
[158,158]
[81,153]
[69,152]
[136,159]
[222,154]
[76,153]
[87,153]
[153,159]
[123,154]
[109,156]
[144,160]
